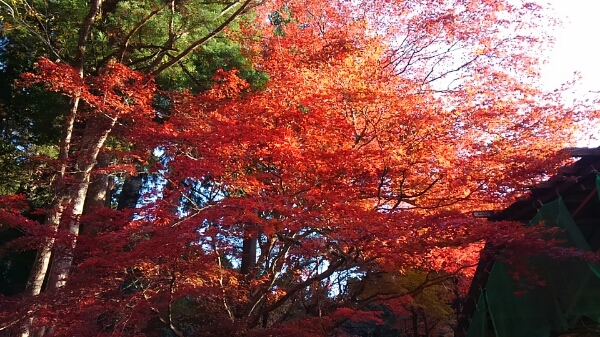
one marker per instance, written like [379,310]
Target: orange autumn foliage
[384,124]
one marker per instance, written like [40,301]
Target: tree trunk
[39,270]
[63,254]
[415,321]
[40,267]
[99,191]
[73,195]
[42,261]
[131,192]
[248,254]
[96,133]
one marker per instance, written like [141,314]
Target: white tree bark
[60,189]
[96,134]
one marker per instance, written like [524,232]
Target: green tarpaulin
[571,291]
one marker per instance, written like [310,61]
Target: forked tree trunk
[42,261]
[40,267]
[62,253]
[73,195]
[96,133]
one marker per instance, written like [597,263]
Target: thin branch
[4,327]
[13,13]
[228,8]
[135,29]
[403,196]
[418,289]
[191,216]
[203,40]
[297,287]
[225,305]
[170,308]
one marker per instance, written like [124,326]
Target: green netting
[479,324]
[523,313]
[571,290]
[598,185]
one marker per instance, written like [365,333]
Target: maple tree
[381,127]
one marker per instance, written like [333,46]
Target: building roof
[576,184]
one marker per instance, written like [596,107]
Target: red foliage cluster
[374,139]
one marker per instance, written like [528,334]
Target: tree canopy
[318,159]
